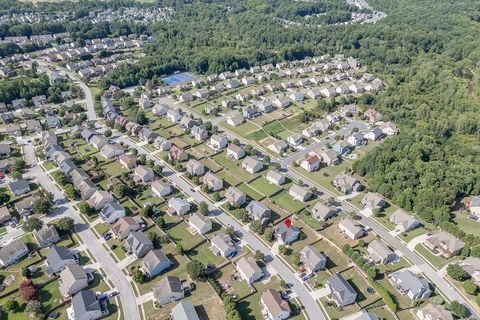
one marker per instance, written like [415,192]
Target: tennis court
[179,78]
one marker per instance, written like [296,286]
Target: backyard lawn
[261,184]
[114,169]
[255,195]
[285,201]
[436,260]
[180,235]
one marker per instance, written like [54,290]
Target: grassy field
[180,235]
[250,192]
[285,201]
[114,169]
[436,260]
[261,184]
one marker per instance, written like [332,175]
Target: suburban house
[161,188]
[24,206]
[249,269]
[258,211]
[373,201]
[122,228]
[409,284]
[213,182]
[445,243]
[365,315]
[356,139]
[128,161]
[144,174]
[184,310]
[295,139]
[341,292]
[73,279]
[330,157]
[154,263]
[168,290]
[98,141]
[235,119]
[87,306]
[299,193]
[178,206]
[373,116]
[58,257]
[389,128]
[222,244]
[275,177]
[433,312]
[403,221]
[46,236]
[199,133]
[474,206]
[218,142]
[200,223]
[99,199]
[471,265]
[286,234]
[342,147]
[374,134]
[278,146]
[380,253]
[86,188]
[195,167]
[323,212]
[13,252]
[313,259]
[274,306]
[110,151]
[178,154]
[138,244]
[235,197]
[235,152]
[162,144]
[346,183]
[310,163]
[351,228]
[4,214]
[19,187]
[111,212]
[252,165]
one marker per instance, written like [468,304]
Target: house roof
[321,210]
[447,239]
[199,220]
[57,254]
[311,256]
[351,225]
[123,224]
[409,281]
[248,265]
[401,217]
[437,312]
[72,273]
[233,194]
[10,249]
[166,286]
[184,310]
[379,248]
[275,175]
[153,258]
[274,303]
[222,241]
[45,233]
[340,286]
[296,190]
[85,301]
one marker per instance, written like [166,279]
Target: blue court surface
[179,78]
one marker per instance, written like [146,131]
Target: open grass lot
[211,165]
[147,196]
[202,149]
[407,236]
[285,201]
[387,268]
[332,233]
[278,213]
[242,130]
[234,167]
[252,193]
[207,304]
[436,260]
[262,185]
[229,178]
[360,284]
[180,235]
[114,169]
[117,248]
[86,149]
[202,253]
[130,206]
[180,142]
[468,226]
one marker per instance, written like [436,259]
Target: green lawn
[468,226]
[48,165]
[436,260]
[234,167]
[249,307]
[261,184]
[242,130]
[202,253]
[285,201]
[147,196]
[250,192]
[180,235]
[114,169]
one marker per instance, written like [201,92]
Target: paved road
[92,116]
[311,307]
[66,208]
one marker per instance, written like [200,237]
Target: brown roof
[274,302]
[122,224]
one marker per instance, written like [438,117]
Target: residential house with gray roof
[73,279]
[313,259]
[410,284]
[154,263]
[235,197]
[58,257]
[380,253]
[138,244]
[341,292]
[87,306]
[258,211]
[184,310]
[46,236]
[168,290]
[11,253]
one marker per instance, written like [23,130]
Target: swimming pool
[179,78]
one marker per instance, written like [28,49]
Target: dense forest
[427,51]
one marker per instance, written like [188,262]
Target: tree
[283,249]
[27,290]
[120,190]
[195,269]
[457,272]
[85,208]
[107,133]
[256,226]
[296,258]
[203,208]
[11,305]
[138,276]
[160,222]
[43,203]
[268,234]
[26,272]
[179,249]
[458,309]
[32,224]
[33,306]
[18,165]
[259,256]
[65,224]
[70,192]
[470,286]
